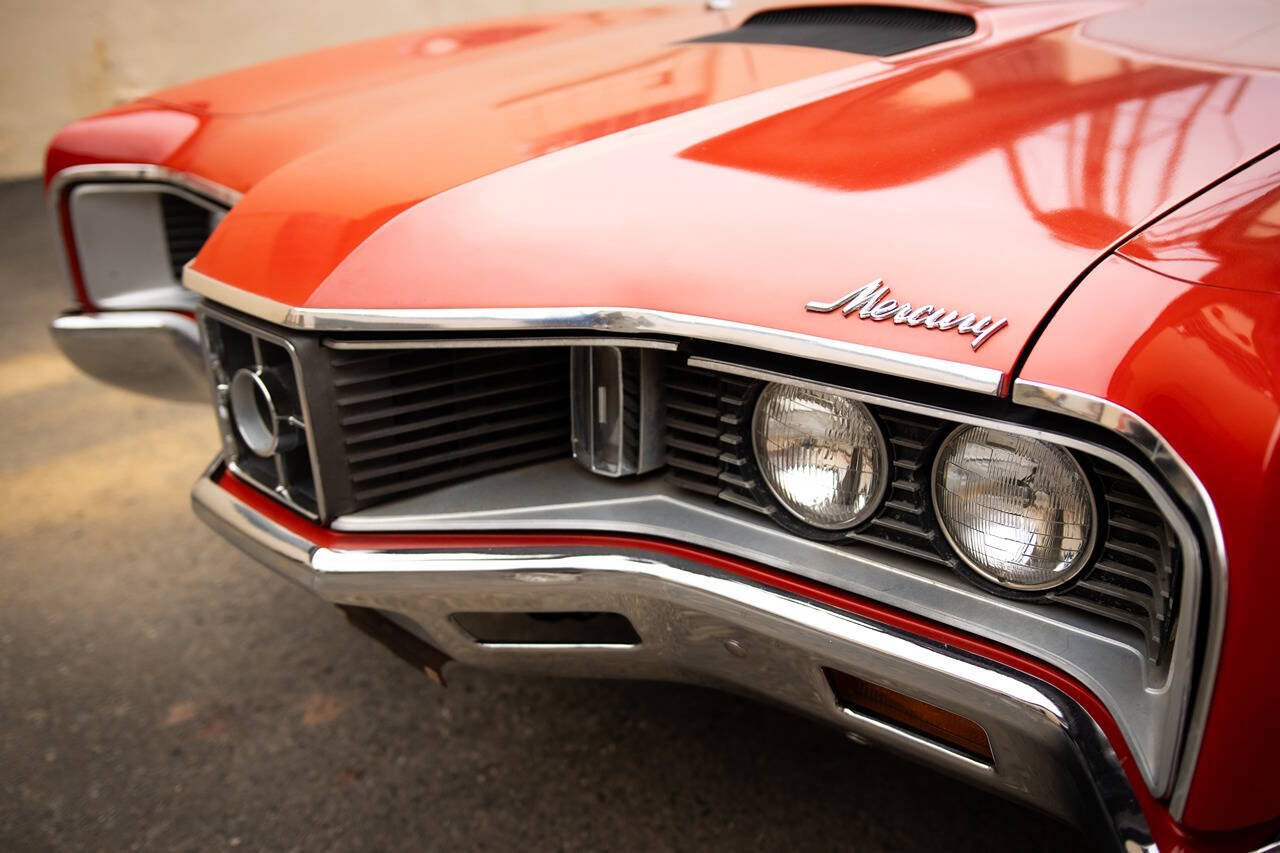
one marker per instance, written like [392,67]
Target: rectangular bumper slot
[573,628]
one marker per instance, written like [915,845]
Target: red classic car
[913,366]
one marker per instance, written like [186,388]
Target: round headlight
[821,455]
[1018,511]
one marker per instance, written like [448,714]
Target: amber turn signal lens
[920,718]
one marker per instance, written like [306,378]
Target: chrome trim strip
[149,352]
[1047,750]
[272,544]
[1187,485]
[634,321]
[510,343]
[147,172]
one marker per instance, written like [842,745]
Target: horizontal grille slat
[443,400]
[1099,585]
[743,501]
[491,410]
[477,431]
[694,484]
[693,465]
[355,369]
[1108,609]
[466,451]
[708,430]
[1136,576]
[692,408]
[431,384]
[456,473]
[416,418]
[896,545]
[693,447]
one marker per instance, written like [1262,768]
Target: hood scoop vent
[871,30]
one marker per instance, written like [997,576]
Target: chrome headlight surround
[795,517]
[985,576]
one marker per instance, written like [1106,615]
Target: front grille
[708,420]
[377,421]
[414,419]
[186,228]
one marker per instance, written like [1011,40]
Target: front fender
[1200,365]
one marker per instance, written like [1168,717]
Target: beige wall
[61,59]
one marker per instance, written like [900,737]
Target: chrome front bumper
[699,624]
[151,352]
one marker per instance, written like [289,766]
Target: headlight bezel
[981,577]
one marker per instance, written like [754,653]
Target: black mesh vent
[413,419]
[186,228]
[865,29]
[708,420]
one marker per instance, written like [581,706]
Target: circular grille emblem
[253,412]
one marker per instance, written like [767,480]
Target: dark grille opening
[1132,579]
[905,521]
[414,419]
[186,228]
[708,420]
[708,427]
[631,405]
[873,30]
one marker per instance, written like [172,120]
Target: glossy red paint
[332,144]
[135,133]
[1227,237]
[1202,365]
[981,175]
[845,170]
[844,176]
[1168,834]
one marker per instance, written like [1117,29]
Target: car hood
[601,161]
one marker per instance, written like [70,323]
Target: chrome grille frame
[286,488]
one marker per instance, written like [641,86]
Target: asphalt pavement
[160,691]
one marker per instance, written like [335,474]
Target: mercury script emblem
[872,302]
